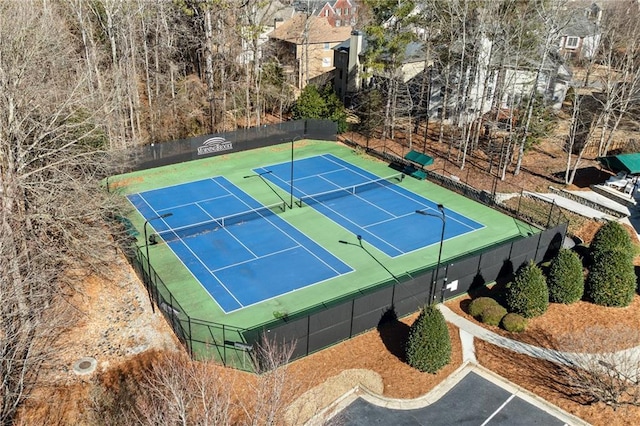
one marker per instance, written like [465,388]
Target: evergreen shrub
[566,278]
[492,315]
[514,323]
[611,280]
[429,344]
[528,295]
[611,236]
[479,304]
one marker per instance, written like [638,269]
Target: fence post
[308,333]
[224,345]
[550,213]
[519,203]
[190,338]
[353,301]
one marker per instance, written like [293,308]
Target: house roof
[553,62]
[414,52]
[320,30]
[579,25]
[274,10]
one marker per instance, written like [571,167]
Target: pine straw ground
[115,324]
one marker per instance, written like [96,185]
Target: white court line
[401,194]
[282,231]
[191,203]
[197,258]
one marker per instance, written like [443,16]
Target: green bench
[420,159]
[419,174]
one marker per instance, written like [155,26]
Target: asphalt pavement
[477,399]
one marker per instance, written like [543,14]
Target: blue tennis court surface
[242,252]
[380,210]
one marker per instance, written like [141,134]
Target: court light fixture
[146,245]
[442,216]
[260,175]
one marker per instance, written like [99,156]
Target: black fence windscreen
[178,151]
[317,327]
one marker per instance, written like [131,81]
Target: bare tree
[620,85]
[271,358]
[169,388]
[590,371]
[181,391]
[51,207]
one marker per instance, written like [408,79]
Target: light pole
[443,218]
[291,181]
[146,245]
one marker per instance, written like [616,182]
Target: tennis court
[378,209]
[266,290]
[240,251]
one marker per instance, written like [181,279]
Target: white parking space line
[498,410]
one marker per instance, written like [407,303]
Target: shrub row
[490,312]
[611,282]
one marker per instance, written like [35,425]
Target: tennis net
[200,228]
[323,197]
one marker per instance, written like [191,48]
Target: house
[339,13]
[580,37]
[265,17]
[303,46]
[348,64]
[507,82]
[517,81]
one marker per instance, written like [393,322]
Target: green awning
[418,158]
[628,163]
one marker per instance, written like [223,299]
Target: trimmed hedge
[478,305]
[528,295]
[492,315]
[611,236]
[611,280]
[566,278]
[514,323]
[429,344]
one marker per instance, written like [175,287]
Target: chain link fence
[332,321]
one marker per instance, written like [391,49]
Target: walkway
[360,402]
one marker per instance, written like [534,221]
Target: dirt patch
[124,182]
[113,325]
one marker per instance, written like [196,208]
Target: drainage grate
[86,365]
